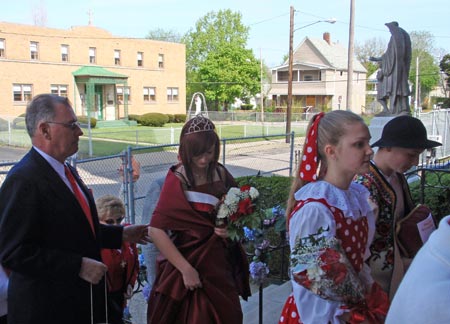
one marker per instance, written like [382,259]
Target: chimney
[327,38]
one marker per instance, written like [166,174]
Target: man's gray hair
[42,108]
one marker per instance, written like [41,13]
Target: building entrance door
[98,108]
[310,101]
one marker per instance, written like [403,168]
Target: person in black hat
[403,140]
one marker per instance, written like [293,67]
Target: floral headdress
[199,124]
[308,166]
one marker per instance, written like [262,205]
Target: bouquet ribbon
[373,310]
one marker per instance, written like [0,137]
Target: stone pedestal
[376,128]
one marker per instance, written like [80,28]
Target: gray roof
[334,53]
[334,56]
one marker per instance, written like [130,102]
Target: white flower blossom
[315,273]
[253,192]
[230,204]
[223,212]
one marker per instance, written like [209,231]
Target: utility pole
[351,32]
[416,104]
[262,90]
[291,59]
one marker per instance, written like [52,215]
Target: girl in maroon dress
[200,272]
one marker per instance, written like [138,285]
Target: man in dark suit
[50,244]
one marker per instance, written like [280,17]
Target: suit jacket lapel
[62,193]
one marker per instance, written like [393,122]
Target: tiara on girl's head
[199,124]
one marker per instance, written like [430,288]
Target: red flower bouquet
[237,210]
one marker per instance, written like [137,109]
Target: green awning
[97,71]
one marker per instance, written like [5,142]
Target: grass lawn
[110,141]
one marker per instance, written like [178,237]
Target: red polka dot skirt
[289,314]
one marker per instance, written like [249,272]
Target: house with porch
[320,74]
[104,76]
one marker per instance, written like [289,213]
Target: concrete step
[274,297]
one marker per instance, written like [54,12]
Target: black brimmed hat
[406,132]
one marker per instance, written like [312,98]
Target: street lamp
[291,58]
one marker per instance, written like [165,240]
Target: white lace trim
[352,202]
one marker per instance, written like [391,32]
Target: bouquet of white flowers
[237,210]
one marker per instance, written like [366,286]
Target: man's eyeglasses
[72,126]
[112,221]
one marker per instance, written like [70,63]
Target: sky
[268,20]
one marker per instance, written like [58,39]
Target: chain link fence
[242,156]
[437,123]
[13,133]
[264,153]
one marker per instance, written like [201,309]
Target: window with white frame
[308,77]
[283,76]
[149,94]
[59,89]
[140,59]
[92,55]
[2,47]
[161,61]
[172,94]
[22,92]
[34,50]
[120,91]
[117,57]
[65,53]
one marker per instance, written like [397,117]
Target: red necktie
[80,197]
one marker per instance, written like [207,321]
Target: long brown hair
[196,142]
[330,130]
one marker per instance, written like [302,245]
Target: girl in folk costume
[330,227]
[123,264]
[200,273]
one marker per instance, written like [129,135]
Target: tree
[422,43]
[374,47]
[224,82]
[164,35]
[218,35]
[445,67]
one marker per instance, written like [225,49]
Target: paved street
[8,153]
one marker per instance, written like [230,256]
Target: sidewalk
[274,297]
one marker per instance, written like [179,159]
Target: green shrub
[135,118]
[246,106]
[436,193]
[83,120]
[171,118]
[3,125]
[179,118]
[446,103]
[19,122]
[154,119]
[273,190]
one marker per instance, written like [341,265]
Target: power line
[269,19]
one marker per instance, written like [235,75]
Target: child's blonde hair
[109,205]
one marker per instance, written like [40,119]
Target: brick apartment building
[109,76]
